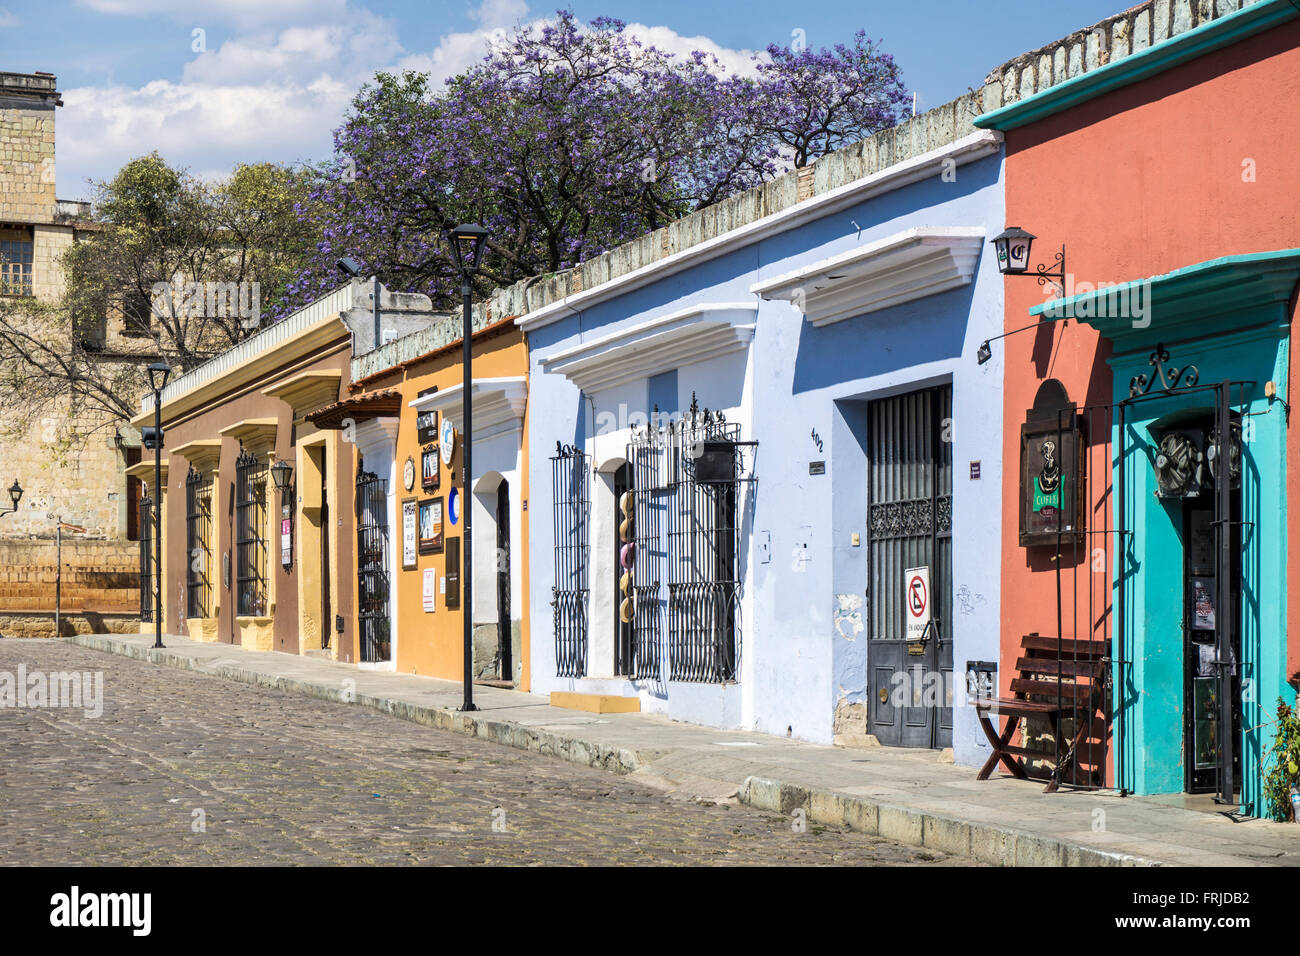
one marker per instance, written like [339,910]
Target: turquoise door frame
[1229,318]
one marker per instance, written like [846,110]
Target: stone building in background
[84,484]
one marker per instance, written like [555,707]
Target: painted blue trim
[1164,55]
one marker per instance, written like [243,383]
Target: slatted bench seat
[1067,678]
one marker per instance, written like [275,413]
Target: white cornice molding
[968,149]
[690,335]
[498,405]
[908,265]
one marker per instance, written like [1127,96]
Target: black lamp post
[1013,245]
[158,372]
[467,242]
[16,494]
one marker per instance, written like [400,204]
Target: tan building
[259,503]
[81,483]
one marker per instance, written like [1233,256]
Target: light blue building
[764,463]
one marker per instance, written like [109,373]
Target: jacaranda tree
[567,140]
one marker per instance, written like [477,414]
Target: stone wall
[101,586]
[1089,49]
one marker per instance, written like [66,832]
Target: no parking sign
[916,602]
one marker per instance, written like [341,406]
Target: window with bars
[15,265]
[250,535]
[572,514]
[198,544]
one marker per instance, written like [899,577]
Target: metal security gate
[505,651]
[909,502]
[198,538]
[372,567]
[571,517]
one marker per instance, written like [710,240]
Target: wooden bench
[1067,678]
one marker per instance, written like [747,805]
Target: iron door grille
[146,559]
[372,567]
[703,548]
[250,535]
[572,510]
[198,543]
[650,500]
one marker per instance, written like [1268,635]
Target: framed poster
[1051,482]
[1202,603]
[408,534]
[426,427]
[429,591]
[453,573]
[431,526]
[430,479]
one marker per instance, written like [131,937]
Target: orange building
[405,415]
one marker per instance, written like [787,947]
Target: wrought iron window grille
[250,535]
[198,544]
[373,580]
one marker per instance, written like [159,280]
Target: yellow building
[406,412]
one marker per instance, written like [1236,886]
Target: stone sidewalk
[912,797]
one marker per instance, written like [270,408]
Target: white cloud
[7,19]
[274,92]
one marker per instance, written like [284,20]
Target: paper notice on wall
[430,594]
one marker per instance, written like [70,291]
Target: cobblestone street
[186,769]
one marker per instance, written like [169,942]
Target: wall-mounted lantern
[1013,246]
[282,475]
[15,495]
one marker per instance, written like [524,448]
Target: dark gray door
[909,525]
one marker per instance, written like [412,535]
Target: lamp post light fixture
[158,374]
[15,495]
[1013,246]
[467,241]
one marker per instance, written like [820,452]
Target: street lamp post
[158,373]
[467,246]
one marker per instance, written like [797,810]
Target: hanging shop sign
[409,556]
[1051,476]
[916,602]
[453,506]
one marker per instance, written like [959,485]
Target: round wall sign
[453,506]
[408,474]
[447,441]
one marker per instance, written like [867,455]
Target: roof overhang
[386,403]
[685,337]
[202,455]
[255,434]
[1165,55]
[1211,297]
[908,265]
[498,404]
[307,391]
[144,470]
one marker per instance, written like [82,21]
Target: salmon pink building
[1149,475]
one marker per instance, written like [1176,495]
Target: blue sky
[269,79]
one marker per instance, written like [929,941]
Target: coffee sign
[1051,477]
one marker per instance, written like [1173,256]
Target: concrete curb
[985,842]
[506,733]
